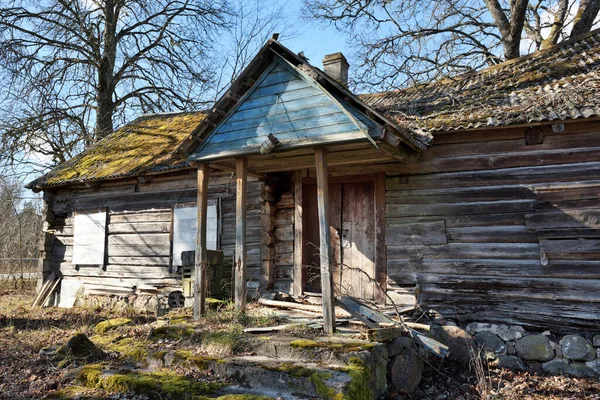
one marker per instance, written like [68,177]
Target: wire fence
[18,268]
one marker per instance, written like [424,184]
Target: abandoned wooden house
[476,196]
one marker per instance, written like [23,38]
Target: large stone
[513,333]
[461,345]
[476,327]
[561,366]
[578,348]
[490,341]
[534,348]
[405,372]
[511,362]
[595,365]
[79,346]
[400,345]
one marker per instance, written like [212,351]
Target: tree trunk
[105,106]
[511,30]
[584,19]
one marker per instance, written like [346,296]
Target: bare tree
[71,69]
[405,42]
[21,227]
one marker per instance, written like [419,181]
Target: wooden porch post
[201,254]
[241,168]
[325,241]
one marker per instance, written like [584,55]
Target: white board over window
[185,227]
[89,238]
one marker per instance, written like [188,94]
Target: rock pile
[514,348]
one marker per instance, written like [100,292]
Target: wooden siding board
[503,203]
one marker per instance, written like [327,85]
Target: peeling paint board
[68,292]
[89,238]
[185,228]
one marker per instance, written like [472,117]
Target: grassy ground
[28,372]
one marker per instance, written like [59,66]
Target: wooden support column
[201,253]
[298,175]
[241,168]
[325,241]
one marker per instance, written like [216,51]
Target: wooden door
[352,225]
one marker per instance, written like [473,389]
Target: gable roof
[289,104]
[562,82]
[145,145]
[394,135]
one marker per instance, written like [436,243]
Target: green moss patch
[104,326]
[339,346]
[225,343]
[296,370]
[177,332]
[156,385]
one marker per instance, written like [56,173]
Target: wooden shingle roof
[562,82]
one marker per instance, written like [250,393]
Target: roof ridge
[469,75]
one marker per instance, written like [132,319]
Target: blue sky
[316,39]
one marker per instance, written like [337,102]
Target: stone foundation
[140,302]
[515,348]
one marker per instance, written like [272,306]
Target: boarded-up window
[185,228]
[89,238]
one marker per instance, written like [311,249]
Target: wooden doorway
[356,238]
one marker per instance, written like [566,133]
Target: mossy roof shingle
[559,83]
[145,145]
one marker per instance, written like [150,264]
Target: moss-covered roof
[146,145]
[559,83]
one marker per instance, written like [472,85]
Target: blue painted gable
[290,105]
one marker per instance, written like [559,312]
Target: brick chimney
[336,66]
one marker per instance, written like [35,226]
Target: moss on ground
[176,332]
[189,358]
[164,385]
[318,379]
[226,342]
[345,347]
[296,370]
[102,327]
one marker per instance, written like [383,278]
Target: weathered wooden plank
[240,263]
[492,234]
[201,254]
[142,216]
[467,251]
[134,239]
[406,271]
[426,233]
[570,246]
[140,228]
[465,220]
[469,208]
[460,194]
[325,240]
[297,255]
[564,219]
[582,290]
[139,250]
[152,260]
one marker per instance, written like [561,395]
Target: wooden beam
[325,241]
[201,251]
[227,168]
[298,175]
[241,166]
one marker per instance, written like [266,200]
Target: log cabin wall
[500,225]
[139,229]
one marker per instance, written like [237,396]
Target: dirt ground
[26,373]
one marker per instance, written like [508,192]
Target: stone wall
[513,347]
